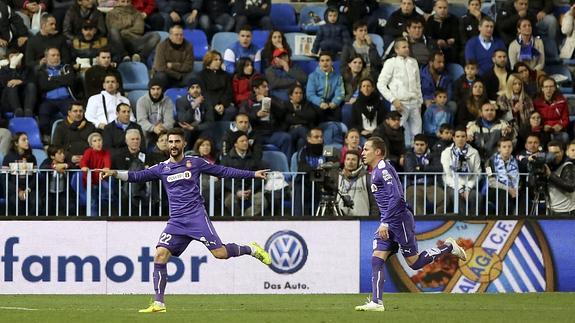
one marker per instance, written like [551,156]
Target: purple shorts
[401,237]
[176,242]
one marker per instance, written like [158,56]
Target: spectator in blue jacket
[434,76]
[332,36]
[242,48]
[482,47]
[437,114]
[325,89]
[255,13]
[54,80]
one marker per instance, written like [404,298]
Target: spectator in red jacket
[552,106]
[152,18]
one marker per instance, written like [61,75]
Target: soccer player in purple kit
[188,221]
[396,230]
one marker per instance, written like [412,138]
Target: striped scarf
[506,172]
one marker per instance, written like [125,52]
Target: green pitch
[544,307]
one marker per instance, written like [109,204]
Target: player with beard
[189,220]
[396,230]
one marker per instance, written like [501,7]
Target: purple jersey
[181,181]
[388,193]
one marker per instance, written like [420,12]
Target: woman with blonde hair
[514,105]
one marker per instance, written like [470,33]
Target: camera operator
[561,175]
[308,160]
[354,185]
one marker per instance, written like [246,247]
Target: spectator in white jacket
[101,108]
[155,111]
[461,166]
[400,84]
[568,29]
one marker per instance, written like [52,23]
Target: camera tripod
[539,192]
[328,206]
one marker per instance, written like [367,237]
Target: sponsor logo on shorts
[179,176]
[288,251]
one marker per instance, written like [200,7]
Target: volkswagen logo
[288,251]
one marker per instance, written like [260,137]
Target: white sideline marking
[17,308]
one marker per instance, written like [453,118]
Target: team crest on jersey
[166,168]
[189,164]
[373,188]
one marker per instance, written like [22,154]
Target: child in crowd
[437,114]
[462,86]
[57,182]
[503,172]
[332,36]
[95,158]
[444,139]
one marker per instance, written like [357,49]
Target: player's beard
[175,152]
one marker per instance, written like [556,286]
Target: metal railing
[67,195]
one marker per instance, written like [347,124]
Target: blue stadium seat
[556,71]
[283,17]
[385,10]
[216,132]
[307,66]
[270,147]
[199,41]
[337,65]
[305,17]
[346,114]
[378,42]
[40,155]
[222,40]
[134,75]
[293,162]
[30,127]
[163,35]
[457,9]
[54,126]
[290,38]
[490,9]
[175,93]
[198,66]
[133,96]
[78,187]
[259,37]
[276,160]
[455,71]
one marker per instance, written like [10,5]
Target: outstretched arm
[144,175]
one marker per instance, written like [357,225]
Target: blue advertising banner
[504,256]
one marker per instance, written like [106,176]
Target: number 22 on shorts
[165,238]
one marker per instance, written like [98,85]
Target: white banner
[81,257]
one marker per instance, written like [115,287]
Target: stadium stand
[135,76]
[284,17]
[30,127]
